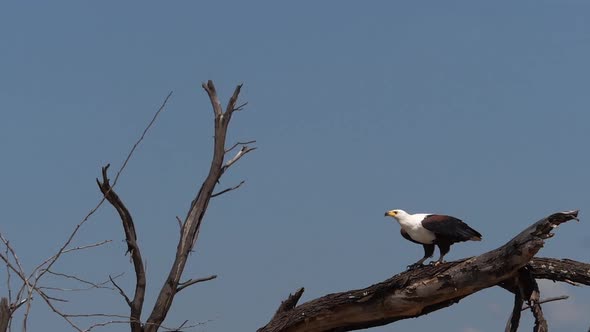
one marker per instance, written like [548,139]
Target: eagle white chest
[412,224]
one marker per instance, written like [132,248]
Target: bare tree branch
[514,321]
[92,245]
[55,257]
[289,303]
[8,286]
[190,282]
[47,264]
[245,149]
[196,213]
[92,285]
[228,189]
[565,270]
[240,107]
[535,305]
[238,144]
[231,105]
[132,247]
[547,300]
[215,103]
[127,300]
[57,311]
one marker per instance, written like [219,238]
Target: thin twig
[13,253]
[147,128]
[21,273]
[240,154]
[56,256]
[238,144]
[241,107]
[103,324]
[18,305]
[549,299]
[8,287]
[58,312]
[190,282]
[95,315]
[53,298]
[121,292]
[97,244]
[567,281]
[228,189]
[184,326]
[91,284]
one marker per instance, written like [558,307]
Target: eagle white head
[397,214]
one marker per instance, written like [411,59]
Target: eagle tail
[470,234]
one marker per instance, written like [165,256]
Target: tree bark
[418,292]
[136,304]
[4,314]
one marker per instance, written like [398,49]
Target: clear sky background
[469,108]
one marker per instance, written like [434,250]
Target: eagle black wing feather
[450,227]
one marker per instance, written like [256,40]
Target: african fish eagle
[433,229]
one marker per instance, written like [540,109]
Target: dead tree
[189,227]
[189,232]
[421,291]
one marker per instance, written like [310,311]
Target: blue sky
[467,108]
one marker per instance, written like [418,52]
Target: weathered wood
[290,302]
[4,314]
[136,304]
[566,270]
[418,292]
[514,321]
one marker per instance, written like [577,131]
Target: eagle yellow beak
[390,213]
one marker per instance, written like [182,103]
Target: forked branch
[192,223]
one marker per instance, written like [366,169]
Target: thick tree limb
[565,270]
[534,303]
[529,290]
[514,321]
[5,314]
[421,291]
[136,304]
[191,226]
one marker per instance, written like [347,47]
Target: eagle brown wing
[450,228]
